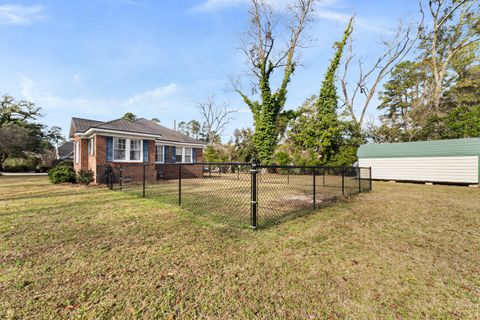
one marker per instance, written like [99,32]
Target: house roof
[437,148]
[136,126]
[65,151]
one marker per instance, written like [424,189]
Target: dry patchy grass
[401,251]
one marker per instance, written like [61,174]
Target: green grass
[401,251]
[227,198]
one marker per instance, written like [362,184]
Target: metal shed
[447,161]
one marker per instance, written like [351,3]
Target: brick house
[97,144]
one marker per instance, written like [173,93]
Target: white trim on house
[183,144]
[163,153]
[77,151]
[115,133]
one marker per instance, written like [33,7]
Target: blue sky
[101,58]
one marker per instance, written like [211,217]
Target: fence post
[209,170]
[179,184]
[370,178]
[343,181]
[143,186]
[323,170]
[253,198]
[314,189]
[359,175]
[121,178]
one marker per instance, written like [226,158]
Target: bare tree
[455,27]
[215,118]
[265,54]
[369,78]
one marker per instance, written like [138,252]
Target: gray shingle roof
[65,151]
[138,126]
[82,125]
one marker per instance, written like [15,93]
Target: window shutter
[174,159]
[194,155]
[145,150]
[109,148]
[165,155]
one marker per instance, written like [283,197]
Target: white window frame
[162,160]
[77,151]
[182,154]
[139,150]
[185,153]
[127,150]
[92,146]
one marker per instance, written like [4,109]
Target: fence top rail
[307,167]
[236,164]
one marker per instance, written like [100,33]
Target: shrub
[62,174]
[85,177]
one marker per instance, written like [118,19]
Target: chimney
[175,125]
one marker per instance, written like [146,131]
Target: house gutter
[180,143]
[90,131]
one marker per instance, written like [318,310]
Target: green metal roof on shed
[437,148]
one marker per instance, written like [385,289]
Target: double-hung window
[159,156]
[120,149]
[135,150]
[127,150]
[178,154]
[188,155]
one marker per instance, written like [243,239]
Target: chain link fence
[239,194]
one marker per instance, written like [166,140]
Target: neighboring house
[447,161]
[65,151]
[98,144]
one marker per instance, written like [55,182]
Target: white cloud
[15,14]
[344,18]
[213,5]
[278,5]
[152,96]
[324,11]
[157,98]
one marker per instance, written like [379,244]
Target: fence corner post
[121,178]
[343,181]
[179,184]
[143,186]
[314,188]
[359,175]
[370,178]
[253,197]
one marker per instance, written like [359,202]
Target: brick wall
[171,171]
[199,155]
[134,171]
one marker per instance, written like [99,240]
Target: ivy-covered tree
[318,129]
[264,58]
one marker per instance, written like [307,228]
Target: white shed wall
[439,169]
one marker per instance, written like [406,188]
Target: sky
[99,59]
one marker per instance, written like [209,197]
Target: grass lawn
[401,251]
